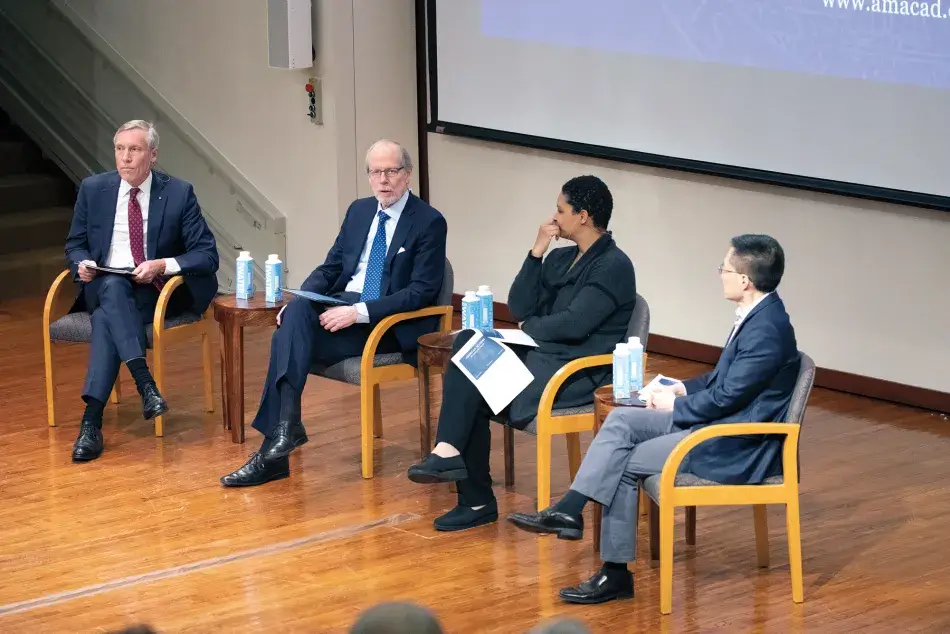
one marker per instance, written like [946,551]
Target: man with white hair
[149,225]
[388,258]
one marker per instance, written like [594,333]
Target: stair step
[31,273]
[17,157]
[32,191]
[34,229]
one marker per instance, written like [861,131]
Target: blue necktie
[377,259]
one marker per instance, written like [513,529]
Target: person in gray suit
[576,303]
[753,381]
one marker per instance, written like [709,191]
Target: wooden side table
[233,315]
[604,403]
[435,350]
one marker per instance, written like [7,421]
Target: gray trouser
[633,443]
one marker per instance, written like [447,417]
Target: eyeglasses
[722,270]
[390,173]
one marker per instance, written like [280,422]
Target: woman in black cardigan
[576,303]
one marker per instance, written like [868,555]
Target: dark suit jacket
[571,311]
[176,229]
[412,278]
[752,383]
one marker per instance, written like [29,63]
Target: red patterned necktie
[137,233]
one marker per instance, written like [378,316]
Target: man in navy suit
[389,257]
[752,382]
[149,224]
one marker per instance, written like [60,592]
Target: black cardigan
[571,312]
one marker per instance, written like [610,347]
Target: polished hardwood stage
[146,533]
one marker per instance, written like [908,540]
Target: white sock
[445,450]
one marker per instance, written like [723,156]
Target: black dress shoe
[464,517]
[88,445]
[437,469]
[152,402]
[600,588]
[258,471]
[547,521]
[287,437]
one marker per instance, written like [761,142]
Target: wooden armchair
[671,489]
[567,421]
[371,370]
[62,327]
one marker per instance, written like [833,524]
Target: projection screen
[847,96]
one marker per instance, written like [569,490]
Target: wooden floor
[146,533]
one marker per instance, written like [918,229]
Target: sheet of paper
[494,369]
[106,269]
[316,297]
[511,336]
[659,379]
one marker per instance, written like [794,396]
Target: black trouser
[120,310]
[300,343]
[464,423]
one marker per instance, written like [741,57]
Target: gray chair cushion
[77,327]
[652,484]
[532,427]
[639,325]
[348,370]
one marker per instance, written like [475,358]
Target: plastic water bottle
[636,364]
[244,277]
[273,279]
[486,314]
[621,372]
[470,311]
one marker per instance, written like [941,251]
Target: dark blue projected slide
[895,41]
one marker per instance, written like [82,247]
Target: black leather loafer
[547,521]
[599,589]
[258,471]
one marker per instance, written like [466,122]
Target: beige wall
[209,60]
[867,284]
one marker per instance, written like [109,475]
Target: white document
[659,379]
[105,269]
[494,369]
[512,336]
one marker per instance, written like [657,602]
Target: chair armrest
[161,307]
[369,350]
[546,405]
[789,451]
[55,306]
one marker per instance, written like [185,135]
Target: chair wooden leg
[367,425]
[158,360]
[377,412]
[573,453]
[761,518]
[50,382]
[207,371]
[116,396]
[666,558]
[644,502]
[654,522]
[691,525]
[793,524]
[509,456]
[544,471]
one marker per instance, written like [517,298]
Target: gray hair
[404,157]
[138,124]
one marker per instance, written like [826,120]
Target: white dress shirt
[355,284]
[120,251]
[741,313]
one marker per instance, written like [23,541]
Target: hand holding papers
[316,297]
[494,369]
[659,382]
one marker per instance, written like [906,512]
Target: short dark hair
[761,258]
[396,618]
[591,194]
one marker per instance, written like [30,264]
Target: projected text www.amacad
[931,10]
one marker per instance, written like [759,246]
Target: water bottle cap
[469,293]
[245,254]
[621,347]
[483,288]
[272,256]
[634,341]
